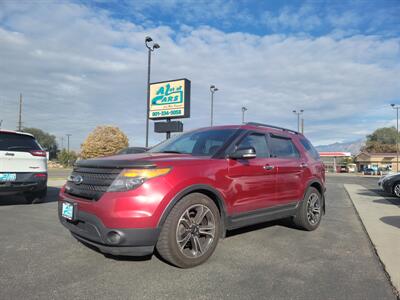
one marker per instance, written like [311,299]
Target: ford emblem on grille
[77,179]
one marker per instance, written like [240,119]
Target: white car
[23,166]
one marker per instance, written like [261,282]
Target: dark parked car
[133,150]
[390,184]
[182,195]
[369,171]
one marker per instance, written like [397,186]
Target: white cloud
[78,67]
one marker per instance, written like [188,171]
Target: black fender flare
[200,188]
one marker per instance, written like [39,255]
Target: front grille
[95,182]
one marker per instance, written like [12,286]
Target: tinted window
[199,143]
[283,147]
[258,142]
[17,142]
[310,148]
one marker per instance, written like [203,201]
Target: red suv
[182,195]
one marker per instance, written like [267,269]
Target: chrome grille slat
[95,182]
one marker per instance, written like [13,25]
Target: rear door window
[17,142]
[282,147]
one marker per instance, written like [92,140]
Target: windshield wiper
[172,151]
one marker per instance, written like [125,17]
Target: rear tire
[309,213]
[191,231]
[36,197]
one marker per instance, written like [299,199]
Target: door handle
[9,154]
[268,167]
[303,165]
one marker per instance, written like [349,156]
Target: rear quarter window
[309,148]
[17,142]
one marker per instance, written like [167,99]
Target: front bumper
[89,229]
[25,182]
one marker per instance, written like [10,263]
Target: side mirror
[243,153]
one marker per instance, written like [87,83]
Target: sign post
[169,100]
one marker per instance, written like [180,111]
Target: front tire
[191,231]
[396,189]
[309,213]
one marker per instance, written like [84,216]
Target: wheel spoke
[316,210]
[207,230]
[182,242]
[197,248]
[185,223]
[200,214]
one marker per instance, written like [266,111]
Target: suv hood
[140,160]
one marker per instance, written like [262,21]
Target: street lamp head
[215,89]
[302,110]
[148,39]
[244,109]
[392,104]
[212,87]
[156,46]
[295,111]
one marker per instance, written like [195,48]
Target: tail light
[38,153]
[41,175]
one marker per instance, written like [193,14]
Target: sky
[79,64]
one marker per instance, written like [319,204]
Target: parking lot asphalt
[40,260]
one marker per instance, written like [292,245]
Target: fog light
[113,237]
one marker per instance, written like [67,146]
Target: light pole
[298,113]
[213,89]
[396,107]
[68,135]
[150,45]
[244,109]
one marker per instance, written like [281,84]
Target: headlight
[130,179]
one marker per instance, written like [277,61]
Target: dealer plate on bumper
[8,177]
[68,210]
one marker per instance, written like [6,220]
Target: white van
[23,166]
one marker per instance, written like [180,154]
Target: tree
[65,158]
[46,140]
[104,141]
[382,140]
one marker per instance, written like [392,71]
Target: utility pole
[1,122]
[302,125]
[62,142]
[68,135]
[20,113]
[396,107]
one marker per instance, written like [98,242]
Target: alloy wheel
[313,209]
[195,231]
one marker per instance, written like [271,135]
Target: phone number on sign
[167,113]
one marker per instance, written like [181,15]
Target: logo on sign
[168,95]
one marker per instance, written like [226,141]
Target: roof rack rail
[271,126]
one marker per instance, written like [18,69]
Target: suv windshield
[198,143]
[17,142]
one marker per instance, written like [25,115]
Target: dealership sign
[170,99]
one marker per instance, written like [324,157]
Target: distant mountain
[353,147]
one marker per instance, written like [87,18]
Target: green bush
[66,159]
